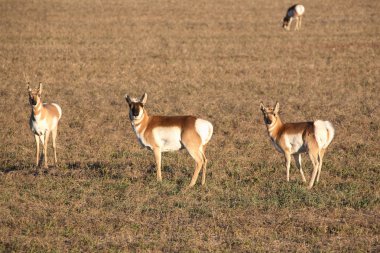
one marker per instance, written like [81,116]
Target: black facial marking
[136,108]
[267,118]
[267,121]
[135,111]
[32,100]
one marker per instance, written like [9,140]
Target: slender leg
[45,149]
[300,20]
[157,157]
[54,135]
[198,166]
[37,149]
[290,23]
[204,165]
[322,153]
[314,160]
[194,147]
[287,160]
[42,155]
[196,154]
[297,158]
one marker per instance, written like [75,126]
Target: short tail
[324,133]
[204,129]
[209,133]
[59,110]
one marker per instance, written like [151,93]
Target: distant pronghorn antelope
[296,138]
[294,12]
[43,120]
[171,133]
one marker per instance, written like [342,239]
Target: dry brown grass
[214,59]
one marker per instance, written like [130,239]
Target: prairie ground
[214,59]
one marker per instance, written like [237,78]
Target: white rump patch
[59,110]
[54,122]
[324,133]
[168,138]
[300,9]
[204,128]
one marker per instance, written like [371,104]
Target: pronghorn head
[270,113]
[286,22]
[35,95]
[136,106]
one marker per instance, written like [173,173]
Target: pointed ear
[277,108]
[29,89]
[262,107]
[40,88]
[128,99]
[144,98]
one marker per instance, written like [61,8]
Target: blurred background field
[214,59]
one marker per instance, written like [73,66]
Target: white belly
[168,138]
[39,127]
[295,143]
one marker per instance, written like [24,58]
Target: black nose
[135,112]
[267,121]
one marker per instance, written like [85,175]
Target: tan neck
[142,123]
[274,128]
[36,109]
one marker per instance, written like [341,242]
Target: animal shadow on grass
[22,167]
[169,174]
[152,169]
[91,169]
[15,167]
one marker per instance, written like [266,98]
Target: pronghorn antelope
[296,138]
[294,12]
[43,120]
[170,133]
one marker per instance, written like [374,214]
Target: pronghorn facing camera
[294,12]
[296,138]
[170,133]
[43,120]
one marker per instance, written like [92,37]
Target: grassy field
[216,59]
